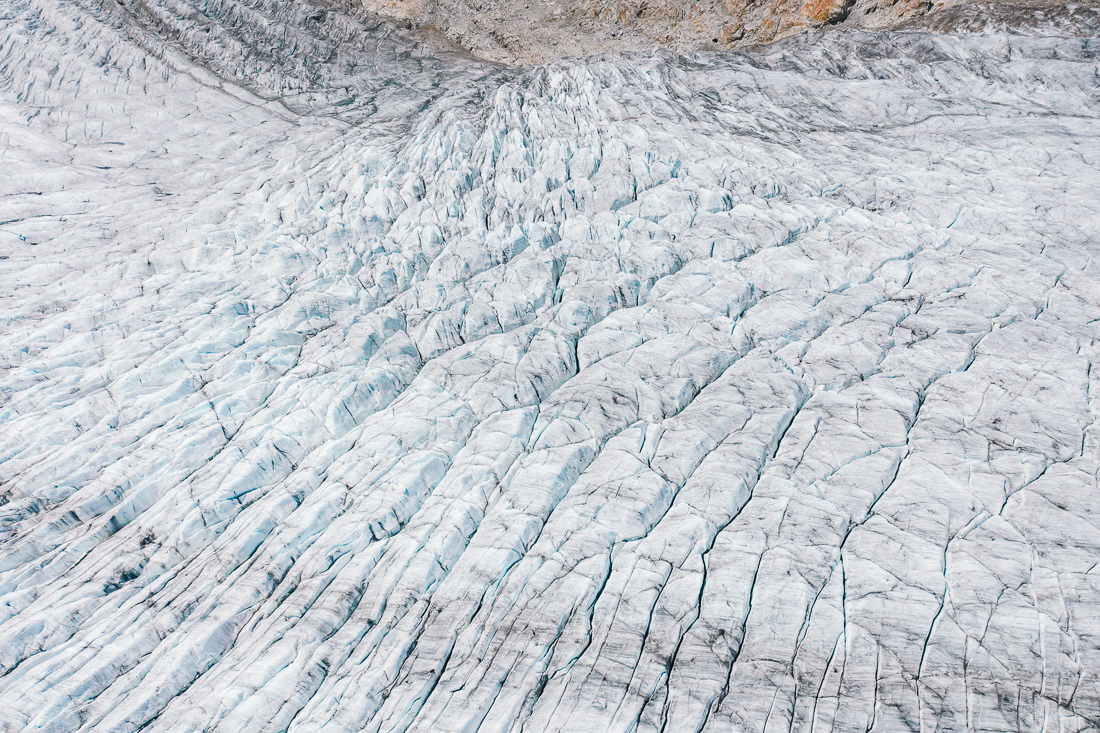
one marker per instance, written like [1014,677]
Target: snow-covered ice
[347,384]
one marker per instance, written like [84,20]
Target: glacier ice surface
[350,385]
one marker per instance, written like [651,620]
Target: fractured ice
[349,385]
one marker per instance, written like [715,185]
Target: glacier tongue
[348,385]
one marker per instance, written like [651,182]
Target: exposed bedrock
[526,31]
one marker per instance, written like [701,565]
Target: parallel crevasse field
[347,385]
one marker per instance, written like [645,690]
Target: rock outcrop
[527,31]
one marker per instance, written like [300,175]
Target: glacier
[350,383]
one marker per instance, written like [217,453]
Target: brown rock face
[533,31]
